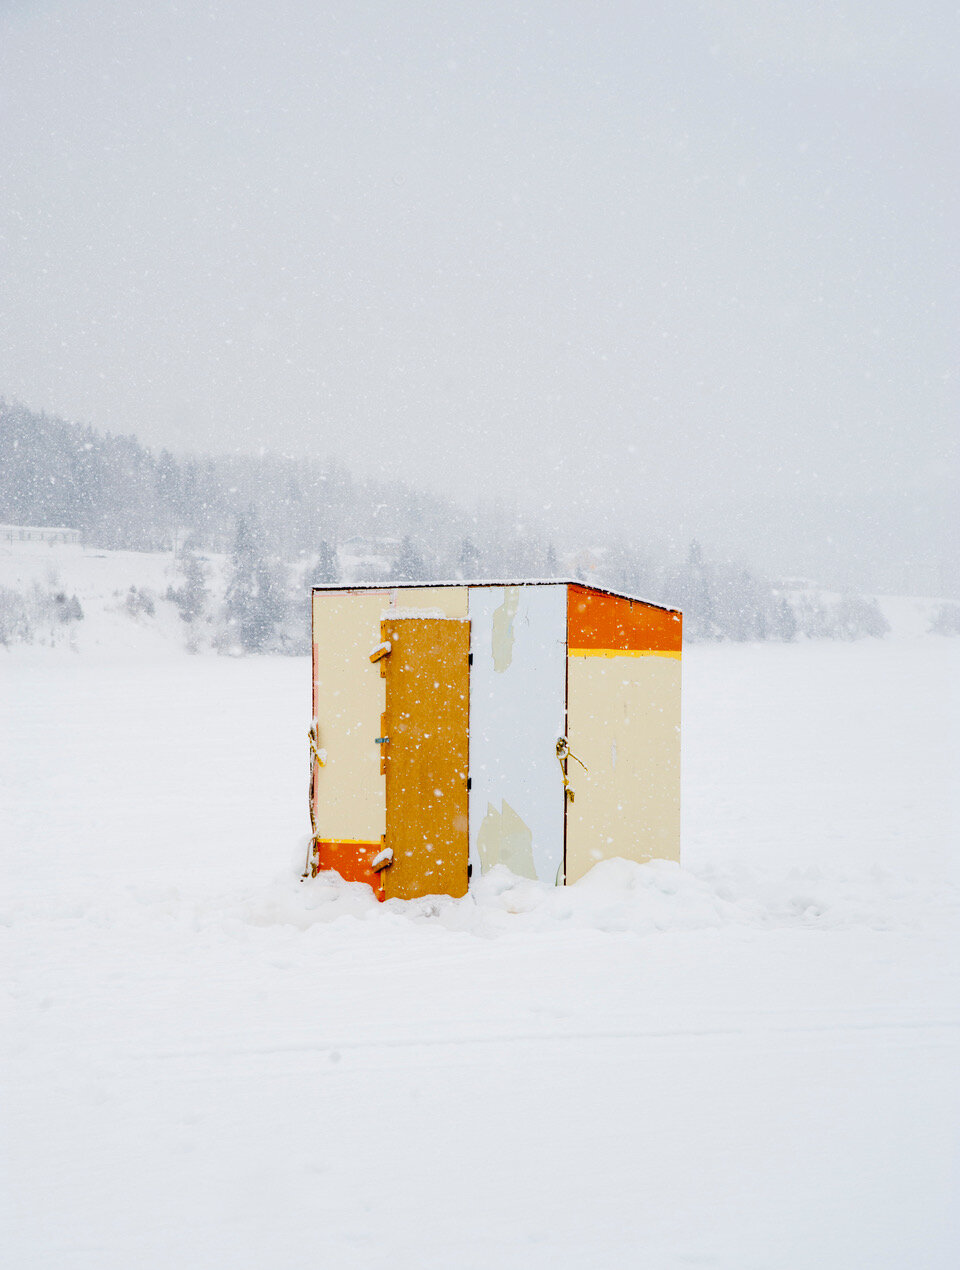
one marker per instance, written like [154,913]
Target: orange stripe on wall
[614,623]
[352,861]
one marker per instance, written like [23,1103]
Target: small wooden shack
[465,724]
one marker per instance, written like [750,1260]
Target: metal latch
[384,739]
[564,753]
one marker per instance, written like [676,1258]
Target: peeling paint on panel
[514,718]
[502,639]
[505,838]
[488,839]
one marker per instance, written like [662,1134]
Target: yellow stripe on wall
[350,842]
[623,652]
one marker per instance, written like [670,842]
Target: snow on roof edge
[468,582]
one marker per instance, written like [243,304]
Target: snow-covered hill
[124,598]
[121,595]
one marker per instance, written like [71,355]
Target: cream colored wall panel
[349,699]
[624,723]
[516,714]
[445,601]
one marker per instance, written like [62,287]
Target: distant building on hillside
[365,547]
[585,562]
[38,533]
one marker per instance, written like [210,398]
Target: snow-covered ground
[121,594]
[750,1063]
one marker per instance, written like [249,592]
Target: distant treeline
[270,512]
[120,495]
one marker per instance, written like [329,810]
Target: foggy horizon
[679,273]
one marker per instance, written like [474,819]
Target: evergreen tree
[409,566]
[254,603]
[468,560]
[327,568]
[946,620]
[699,596]
[785,620]
[854,617]
[192,597]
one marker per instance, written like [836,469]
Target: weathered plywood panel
[348,698]
[624,723]
[445,601]
[348,702]
[516,714]
[426,756]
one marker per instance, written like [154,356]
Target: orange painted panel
[613,623]
[427,725]
[352,861]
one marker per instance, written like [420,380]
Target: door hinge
[470,659]
[469,782]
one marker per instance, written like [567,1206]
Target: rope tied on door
[564,753]
[318,758]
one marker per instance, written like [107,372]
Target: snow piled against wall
[620,896]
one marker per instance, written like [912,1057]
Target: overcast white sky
[658,267]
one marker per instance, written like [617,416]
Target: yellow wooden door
[426,751]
